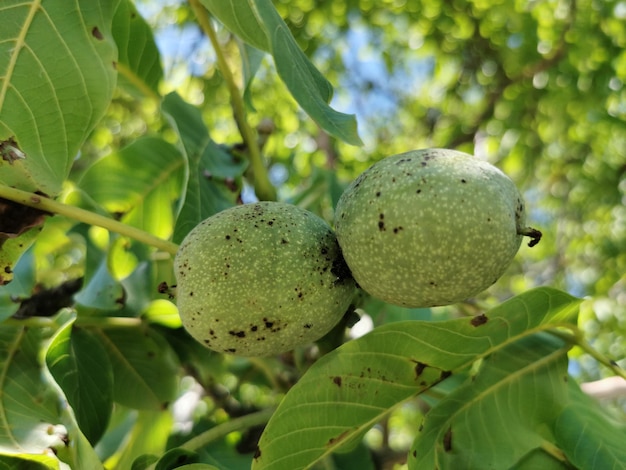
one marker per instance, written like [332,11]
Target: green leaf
[306,84]
[501,414]
[29,422]
[360,458]
[140,288]
[353,387]
[28,462]
[57,68]
[148,436]
[139,62]
[11,249]
[587,436]
[140,182]
[101,291]
[251,59]
[80,365]
[174,458]
[143,462]
[198,466]
[80,454]
[20,288]
[145,369]
[239,17]
[253,19]
[538,459]
[208,167]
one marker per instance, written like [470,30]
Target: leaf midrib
[19,44]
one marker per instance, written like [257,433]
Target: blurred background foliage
[535,87]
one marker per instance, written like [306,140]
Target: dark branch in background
[16,218]
[47,302]
[527,73]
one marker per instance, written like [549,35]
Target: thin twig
[262,185]
[50,205]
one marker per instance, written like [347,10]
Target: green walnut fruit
[430,227]
[260,279]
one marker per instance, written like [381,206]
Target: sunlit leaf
[29,422]
[587,436]
[148,436]
[164,313]
[253,19]
[139,183]
[209,168]
[81,367]
[28,462]
[239,17]
[307,85]
[144,367]
[353,387]
[79,453]
[139,64]
[57,69]
[501,414]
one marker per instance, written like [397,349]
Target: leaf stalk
[49,205]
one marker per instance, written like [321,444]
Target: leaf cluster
[108,158]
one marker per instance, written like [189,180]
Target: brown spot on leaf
[337,381]
[121,300]
[479,320]
[335,440]
[447,440]
[10,151]
[445,374]
[96,33]
[419,368]
[257,453]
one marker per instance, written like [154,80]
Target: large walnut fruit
[430,227]
[260,279]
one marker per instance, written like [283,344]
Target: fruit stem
[46,204]
[534,234]
[263,188]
